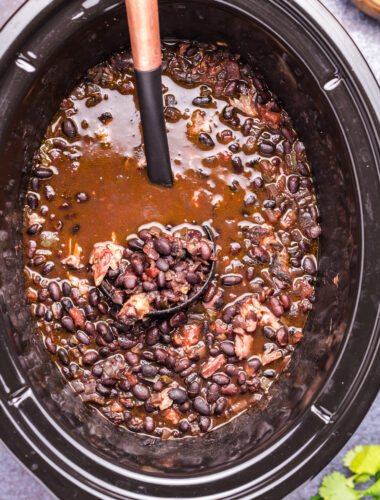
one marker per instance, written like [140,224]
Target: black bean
[237,164]
[43,172]
[89,312]
[254,363]
[34,184]
[34,229]
[32,200]
[249,199]
[204,423]
[309,265]
[162,265]
[160,355]
[206,140]
[137,265]
[149,371]
[152,336]
[90,328]
[66,289]
[192,278]
[178,395]
[162,246]
[258,182]
[68,324]
[184,426]
[178,319]
[54,290]
[135,244]
[213,393]
[269,332]
[161,280]
[69,128]
[282,336]
[285,301]
[67,304]
[270,204]
[182,364]
[241,378]
[51,347]
[200,406]
[47,268]
[63,356]
[90,358]
[221,378]
[83,337]
[228,112]
[266,148]
[220,406]
[313,231]
[193,389]
[49,192]
[205,251]
[149,286]
[293,183]
[276,307]
[129,281]
[40,310]
[230,88]
[132,358]
[202,100]
[232,279]
[269,373]
[31,248]
[246,127]
[234,147]
[103,390]
[303,169]
[124,385]
[185,407]
[149,424]
[259,254]
[81,197]
[49,316]
[141,392]
[209,293]
[57,310]
[43,294]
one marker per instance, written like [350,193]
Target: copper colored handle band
[144,31]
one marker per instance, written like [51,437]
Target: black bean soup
[93,220]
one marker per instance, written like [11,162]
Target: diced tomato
[172,415]
[191,336]
[77,316]
[272,117]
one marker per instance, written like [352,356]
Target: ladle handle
[144,32]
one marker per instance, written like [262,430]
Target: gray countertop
[19,484]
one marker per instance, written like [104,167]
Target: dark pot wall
[341,342]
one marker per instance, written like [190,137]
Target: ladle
[105,287]
[144,32]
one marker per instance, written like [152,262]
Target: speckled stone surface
[18,484]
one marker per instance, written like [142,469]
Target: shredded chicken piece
[244,104]
[104,256]
[198,123]
[35,218]
[74,260]
[243,345]
[269,357]
[136,307]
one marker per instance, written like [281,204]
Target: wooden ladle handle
[144,30]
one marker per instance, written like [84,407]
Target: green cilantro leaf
[351,454]
[335,487]
[367,460]
[316,497]
[373,490]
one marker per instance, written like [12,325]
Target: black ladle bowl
[105,287]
